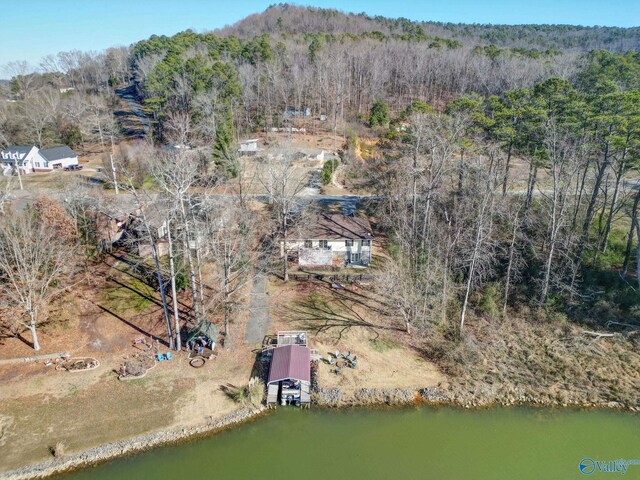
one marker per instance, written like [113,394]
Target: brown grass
[534,359]
[42,407]
[358,325]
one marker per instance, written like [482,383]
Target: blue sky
[34,28]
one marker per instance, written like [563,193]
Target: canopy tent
[204,329]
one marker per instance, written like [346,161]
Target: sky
[34,28]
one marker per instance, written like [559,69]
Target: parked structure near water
[289,381]
[297,112]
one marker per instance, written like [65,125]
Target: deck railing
[361,277]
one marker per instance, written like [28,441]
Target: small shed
[249,147]
[290,376]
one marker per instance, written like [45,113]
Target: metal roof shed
[291,362]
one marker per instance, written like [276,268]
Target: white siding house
[59,157]
[31,159]
[26,158]
[334,240]
[297,112]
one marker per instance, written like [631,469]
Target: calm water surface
[420,443]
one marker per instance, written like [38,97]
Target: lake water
[412,443]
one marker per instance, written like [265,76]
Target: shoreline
[122,448]
[329,399]
[435,396]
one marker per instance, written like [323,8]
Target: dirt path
[259,318]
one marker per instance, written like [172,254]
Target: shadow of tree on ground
[328,308]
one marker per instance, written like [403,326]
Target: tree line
[464,229]
[469,229]
[293,19]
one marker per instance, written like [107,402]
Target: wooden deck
[272,394]
[292,338]
[305,393]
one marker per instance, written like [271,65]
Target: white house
[334,240]
[297,112]
[31,159]
[23,157]
[249,147]
[59,157]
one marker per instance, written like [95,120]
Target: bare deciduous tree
[563,158]
[34,259]
[176,174]
[178,128]
[283,185]
[229,236]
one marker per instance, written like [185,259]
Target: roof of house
[291,361]
[21,150]
[57,153]
[336,227]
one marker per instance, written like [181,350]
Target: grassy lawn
[381,344]
[105,411]
[125,294]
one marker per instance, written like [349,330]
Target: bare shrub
[58,450]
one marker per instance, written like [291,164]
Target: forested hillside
[296,20]
[502,161]
[339,64]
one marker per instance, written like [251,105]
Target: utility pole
[19,176]
[113,168]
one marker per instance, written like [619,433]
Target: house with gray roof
[21,157]
[31,159]
[334,240]
[60,157]
[249,147]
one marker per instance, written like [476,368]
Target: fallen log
[598,334]
[35,357]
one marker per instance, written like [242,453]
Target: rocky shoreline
[122,448]
[335,398]
[328,398]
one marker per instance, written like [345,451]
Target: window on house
[366,243]
[323,243]
[308,243]
[355,258]
[348,243]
